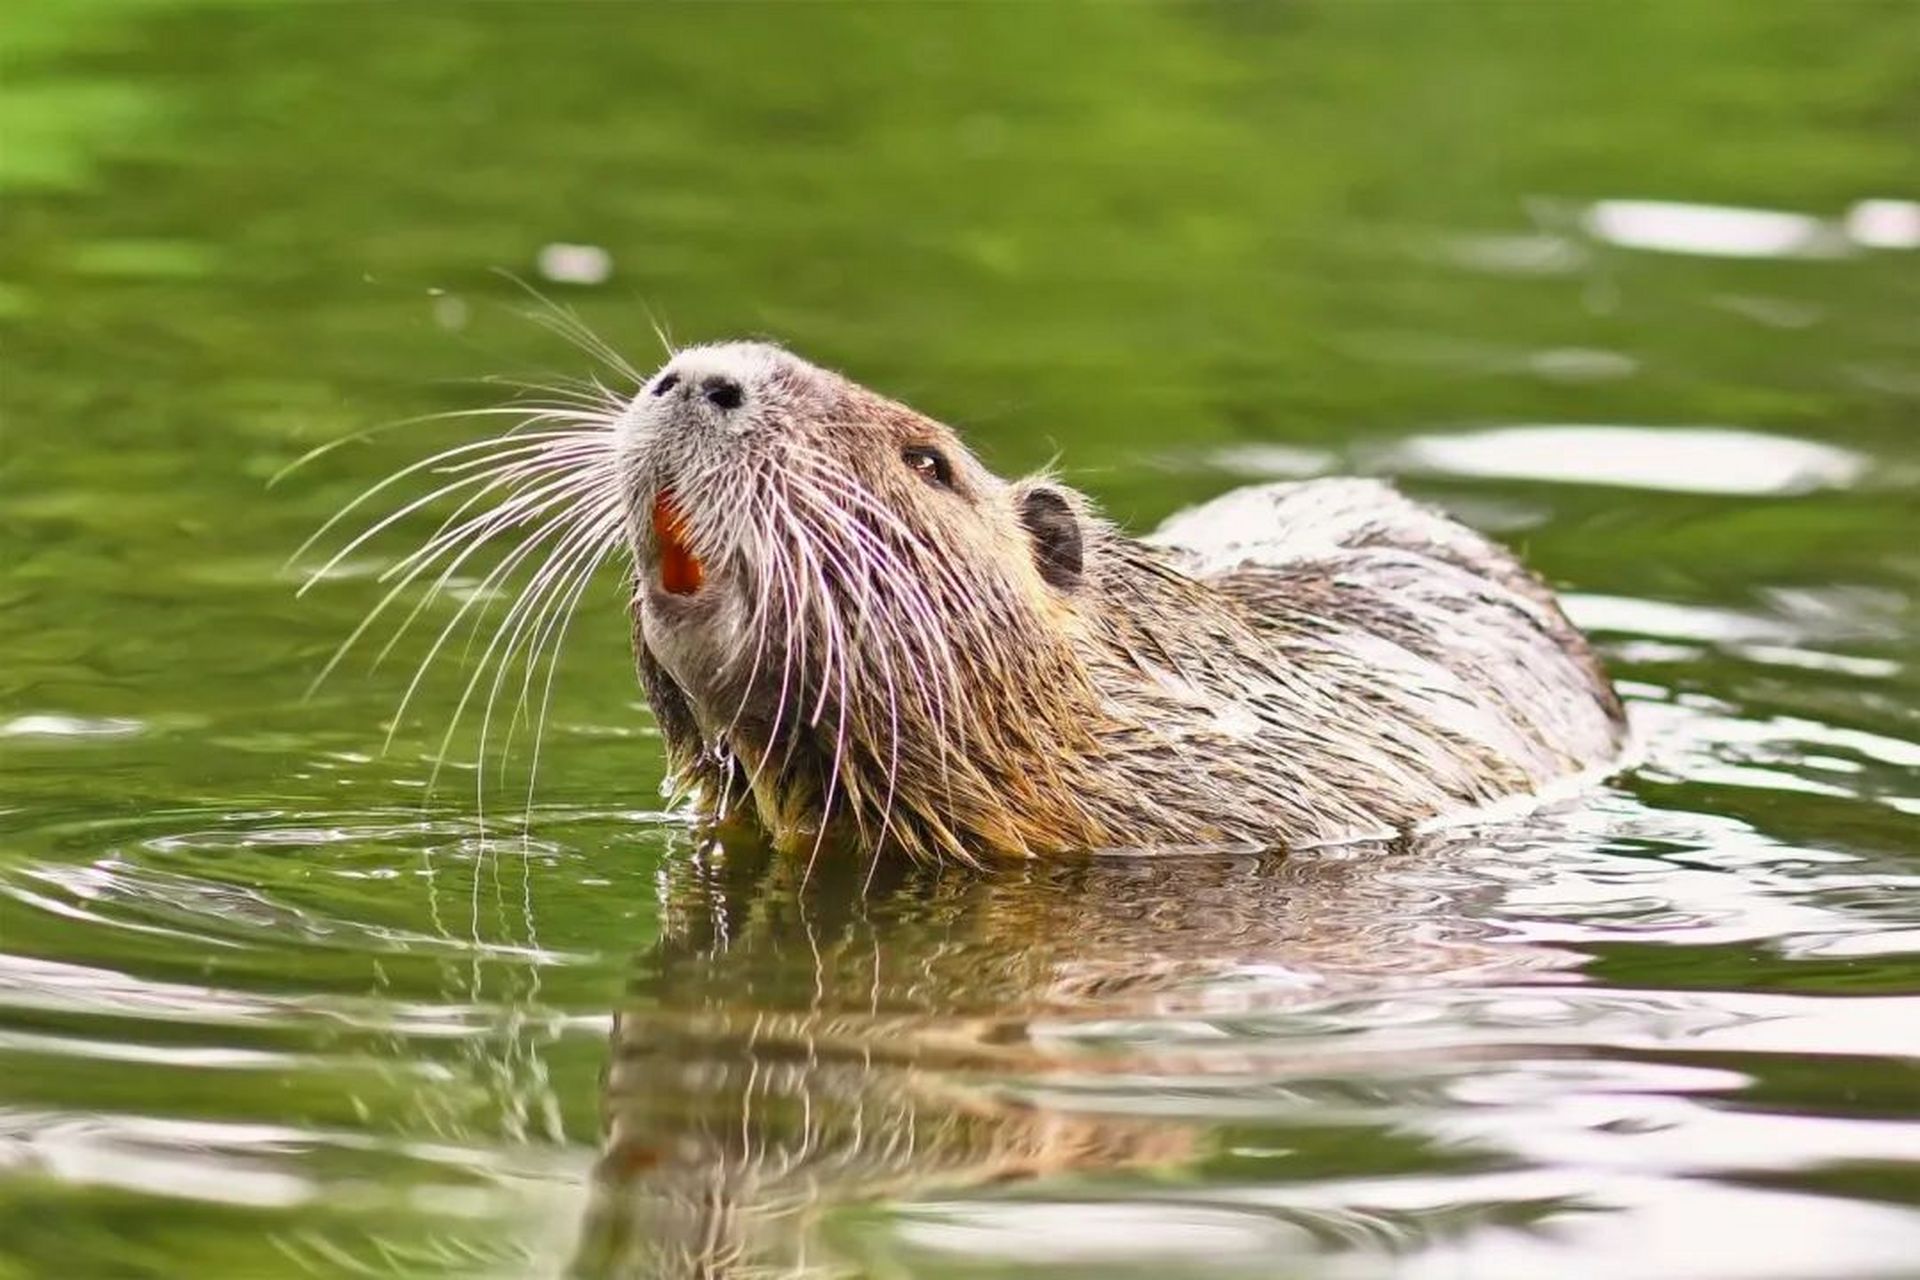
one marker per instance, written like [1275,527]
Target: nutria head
[848,627]
[845,621]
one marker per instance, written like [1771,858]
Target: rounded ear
[1059,551]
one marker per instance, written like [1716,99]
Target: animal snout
[718,390]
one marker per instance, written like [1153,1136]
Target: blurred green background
[262,1013]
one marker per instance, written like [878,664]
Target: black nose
[722,393]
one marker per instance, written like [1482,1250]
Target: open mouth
[681,573]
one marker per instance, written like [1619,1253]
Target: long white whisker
[780,573]
[834,666]
[588,393]
[586,538]
[527,484]
[564,611]
[754,518]
[859,581]
[481,531]
[412,469]
[482,592]
[916,606]
[605,517]
[570,530]
[491,473]
[566,323]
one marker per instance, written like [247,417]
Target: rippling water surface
[1635,287]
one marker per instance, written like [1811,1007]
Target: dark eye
[667,383]
[929,464]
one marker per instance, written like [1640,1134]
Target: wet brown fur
[911,669]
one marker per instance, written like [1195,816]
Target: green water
[267,1008]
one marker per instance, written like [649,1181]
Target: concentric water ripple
[280,996]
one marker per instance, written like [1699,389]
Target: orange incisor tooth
[681,572]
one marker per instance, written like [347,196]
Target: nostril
[722,393]
[668,381]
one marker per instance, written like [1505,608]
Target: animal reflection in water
[793,1046]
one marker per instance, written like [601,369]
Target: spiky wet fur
[882,660]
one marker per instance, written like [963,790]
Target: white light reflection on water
[1682,227]
[65,726]
[1667,226]
[1677,459]
[1521,1225]
[1681,459]
[583,264]
[259,1018]
[1885,224]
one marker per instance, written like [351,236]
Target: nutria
[847,625]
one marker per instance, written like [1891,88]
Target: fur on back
[1438,659]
